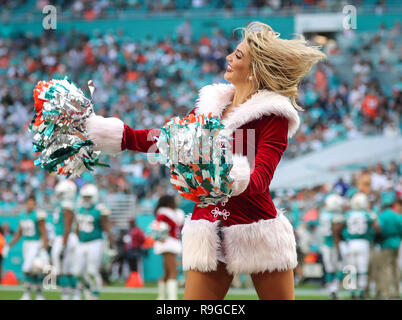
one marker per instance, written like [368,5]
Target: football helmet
[65,190]
[359,201]
[89,195]
[159,230]
[333,203]
[41,262]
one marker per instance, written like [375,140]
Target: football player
[330,215]
[358,233]
[33,231]
[92,218]
[65,243]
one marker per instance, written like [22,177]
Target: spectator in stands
[185,31]
[379,179]
[340,187]
[370,105]
[396,29]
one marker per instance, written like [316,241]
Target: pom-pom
[159,230]
[61,109]
[197,151]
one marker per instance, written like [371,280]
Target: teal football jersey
[89,222]
[358,225]
[29,224]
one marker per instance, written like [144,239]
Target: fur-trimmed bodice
[214,98]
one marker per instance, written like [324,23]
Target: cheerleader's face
[239,62]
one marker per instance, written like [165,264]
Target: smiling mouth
[229,68]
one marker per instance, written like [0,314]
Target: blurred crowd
[91,9]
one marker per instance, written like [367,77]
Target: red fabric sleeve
[173,228]
[271,144]
[141,140]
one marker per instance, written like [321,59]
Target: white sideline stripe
[302,292]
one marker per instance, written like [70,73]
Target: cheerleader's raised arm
[111,136]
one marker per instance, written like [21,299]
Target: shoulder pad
[103,209]
[41,214]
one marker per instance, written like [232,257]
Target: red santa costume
[247,233]
[175,219]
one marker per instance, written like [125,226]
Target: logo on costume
[224,213]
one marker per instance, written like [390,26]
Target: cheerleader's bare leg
[212,285]
[170,266]
[274,285]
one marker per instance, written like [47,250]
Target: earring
[250,78]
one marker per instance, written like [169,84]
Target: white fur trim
[177,216]
[106,133]
[214,98]
[240,173]
[171,245]
[200,245]
[266,245]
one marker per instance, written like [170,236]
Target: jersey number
[86,223]
[28,228]
[357,225]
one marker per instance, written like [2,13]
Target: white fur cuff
[200,245]
[106,133]
[266,245]
[240,173]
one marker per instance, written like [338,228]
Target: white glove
[6,249]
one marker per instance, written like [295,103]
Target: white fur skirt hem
[170,245]
[266,245]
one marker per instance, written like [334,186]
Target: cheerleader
[258,108]
[166,211]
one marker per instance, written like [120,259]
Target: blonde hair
[279,64]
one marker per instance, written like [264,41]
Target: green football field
[149,292]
